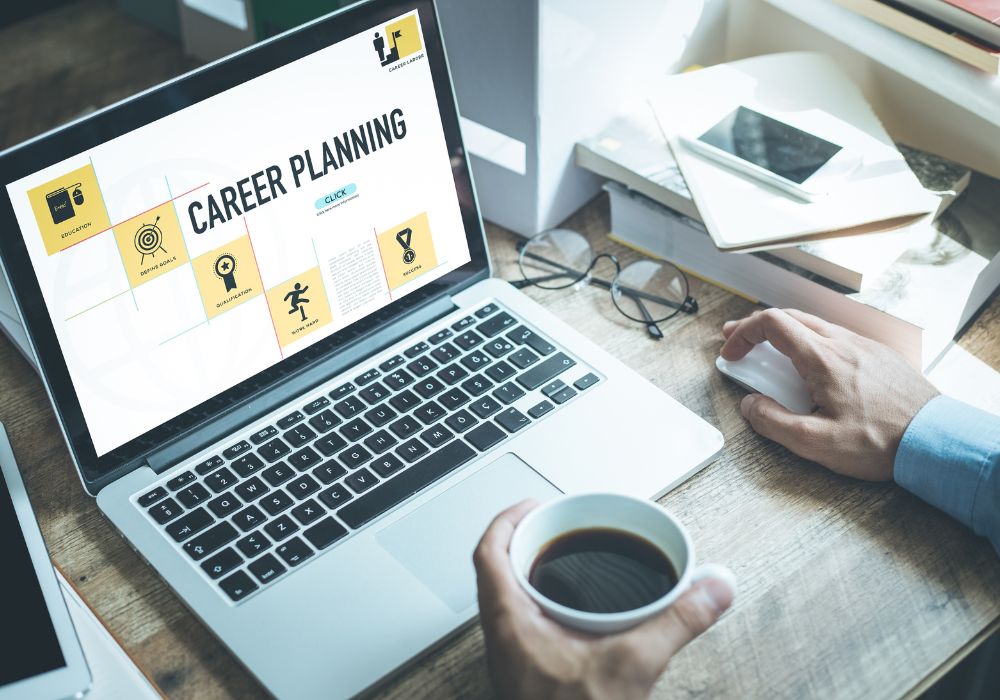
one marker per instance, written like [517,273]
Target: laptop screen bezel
[173,96]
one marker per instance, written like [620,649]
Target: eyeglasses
[646,291]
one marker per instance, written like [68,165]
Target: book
[916,306]
[631,150]
[937,36]
[979,19]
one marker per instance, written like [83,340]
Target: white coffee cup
[602,510]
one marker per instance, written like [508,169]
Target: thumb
[801,434]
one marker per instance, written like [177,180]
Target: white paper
[231,12]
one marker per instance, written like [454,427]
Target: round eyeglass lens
[657,287]
[555,259]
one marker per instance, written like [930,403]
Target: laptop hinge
[269,399]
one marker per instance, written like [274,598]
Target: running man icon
[298,301]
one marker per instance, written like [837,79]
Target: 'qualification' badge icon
[225,268]
[403,238]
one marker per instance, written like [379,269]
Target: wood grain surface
[847,589]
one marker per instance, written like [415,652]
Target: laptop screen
[187,255]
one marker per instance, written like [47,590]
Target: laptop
[261,302]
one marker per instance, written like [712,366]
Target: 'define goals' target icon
[149,240]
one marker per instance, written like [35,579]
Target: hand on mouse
[865,393]
[532,656]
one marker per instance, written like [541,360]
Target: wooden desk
[847,589]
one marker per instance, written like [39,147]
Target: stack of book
[913,288]
[968,30]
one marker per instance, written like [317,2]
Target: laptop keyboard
[332,463]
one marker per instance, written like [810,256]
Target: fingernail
[747,403]
[719,587]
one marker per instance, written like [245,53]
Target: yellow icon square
[69,209]
[227,276]
[404,36]
[407,250]
[151,244]
[299,306]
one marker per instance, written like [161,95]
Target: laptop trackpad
[436,541]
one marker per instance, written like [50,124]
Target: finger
[494,577]
[817,324]
[803,435]
[729,326]
[789,336]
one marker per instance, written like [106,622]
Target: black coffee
[602,570]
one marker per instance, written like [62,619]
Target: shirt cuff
[946,454]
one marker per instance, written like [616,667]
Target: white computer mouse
[768,372]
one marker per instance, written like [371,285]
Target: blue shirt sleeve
[950,457]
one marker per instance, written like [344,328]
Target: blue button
[336,196]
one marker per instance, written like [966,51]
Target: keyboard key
[299,435]
[428,387]
[341,391]
[369,376]
[453,398]
[512,420]
[329,444]
[445,353]
[224,505]
[463,323]
[474,360]
[452,374]
[181,480]
[150,497]
[539,410]
[294,551]
[334,496]
[485,406]
[404,401]
[361,480]
[324,421]
[374,393]
[405,427]
[564,395]
[460,421]
[289,420]
[495,325]
[553,387]
[398,379]
[354,457]
[210,540]
[586,381]
[386,465]
[280,528]
[392,363]
[380,415]
[316,405]
[436,436]
[523,358]
[546,371]
[487,310]
[429,413]
[508,393]
[165,511]
[238,586]
[236,450]
[247,464]
[485,436]
[328,472]
[193,495]
[422,366]
[221,480]
[409,481]
[193,522]
[351,406]
[416,350]
[276,501]
[278,474]
[500,372]
[308,512]
[380,441]
[498,348]
[267,568]
[355,430]
[208,465]
[522,335]
[249,518]
[440,336]
[263,434]
[273,450]
[253,544]
[304,458]
[412,450]
[468,340]
[519,335]
[324,533]
[477,385]
[252,489]
[222,563]
[303,486]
